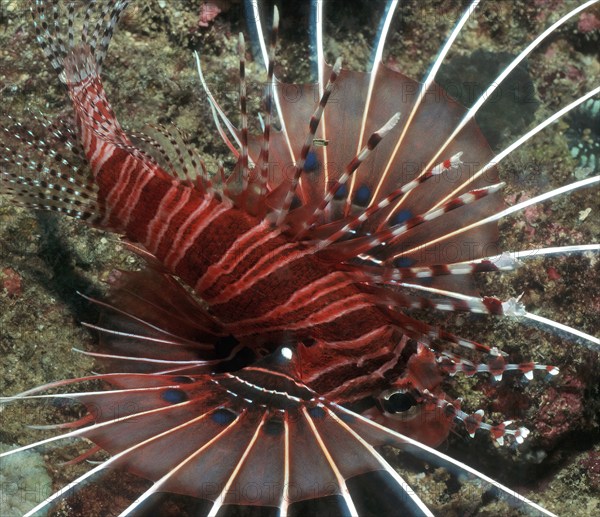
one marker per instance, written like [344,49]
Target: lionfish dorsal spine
[269,91]
[312,129]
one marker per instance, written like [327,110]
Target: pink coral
[208,12]
[588,22]
[561,411]
[10,281]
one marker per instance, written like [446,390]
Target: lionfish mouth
[192,403]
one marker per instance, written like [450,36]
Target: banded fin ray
[229,427]
[150,323]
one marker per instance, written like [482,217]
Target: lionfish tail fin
[46,20]
[61,172]
[78,62]
[53,173]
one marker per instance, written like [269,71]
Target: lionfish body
[229,257]
[304,264]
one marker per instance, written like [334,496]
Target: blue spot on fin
[316,412]
[404,262]
[363,195]
[223,416]
[312,162]
[341,193]
[400,217]
[174,396]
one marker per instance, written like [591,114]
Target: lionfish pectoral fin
[255,438]
[207,438]
[378,435]
[150,324]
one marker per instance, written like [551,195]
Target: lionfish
[269,349]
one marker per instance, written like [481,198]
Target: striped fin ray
[256,194]
[79,64]
[470,114]
[377,58]
[217,112]
[43,177]
[453,363]
[417,248]
[210,436]
[168,148]
[384,275]
[316,13]
[348,173]
[389,237]
[507,261]
[151,324]
[264,158]
[423,91]
[361,218]
[512,307]
[157,144]
[467,226]
[312,178]
[308,142]
[51,38]
[289,153]
[325,162]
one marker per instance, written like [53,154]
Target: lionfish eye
[398,402]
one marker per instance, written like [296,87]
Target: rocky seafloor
[150,77]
